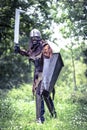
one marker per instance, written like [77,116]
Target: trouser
[39,108]
[49,103]
[40,105]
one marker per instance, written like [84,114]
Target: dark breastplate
[38,62]
[37,57]
[36,50]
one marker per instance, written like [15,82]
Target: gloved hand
[16,49]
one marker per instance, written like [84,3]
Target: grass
[17,111]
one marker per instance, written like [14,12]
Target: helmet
[35,33]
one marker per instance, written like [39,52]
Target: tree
[85,60]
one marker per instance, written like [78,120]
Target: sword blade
[16,29]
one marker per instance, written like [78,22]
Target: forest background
[17,107]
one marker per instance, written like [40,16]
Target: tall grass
[17,111]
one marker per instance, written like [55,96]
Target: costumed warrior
[37,52]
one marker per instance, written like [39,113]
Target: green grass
[17,111]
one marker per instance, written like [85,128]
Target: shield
[51,71]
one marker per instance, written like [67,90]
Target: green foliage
[66,75]
[17,110]
[74,16]
[13,72]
